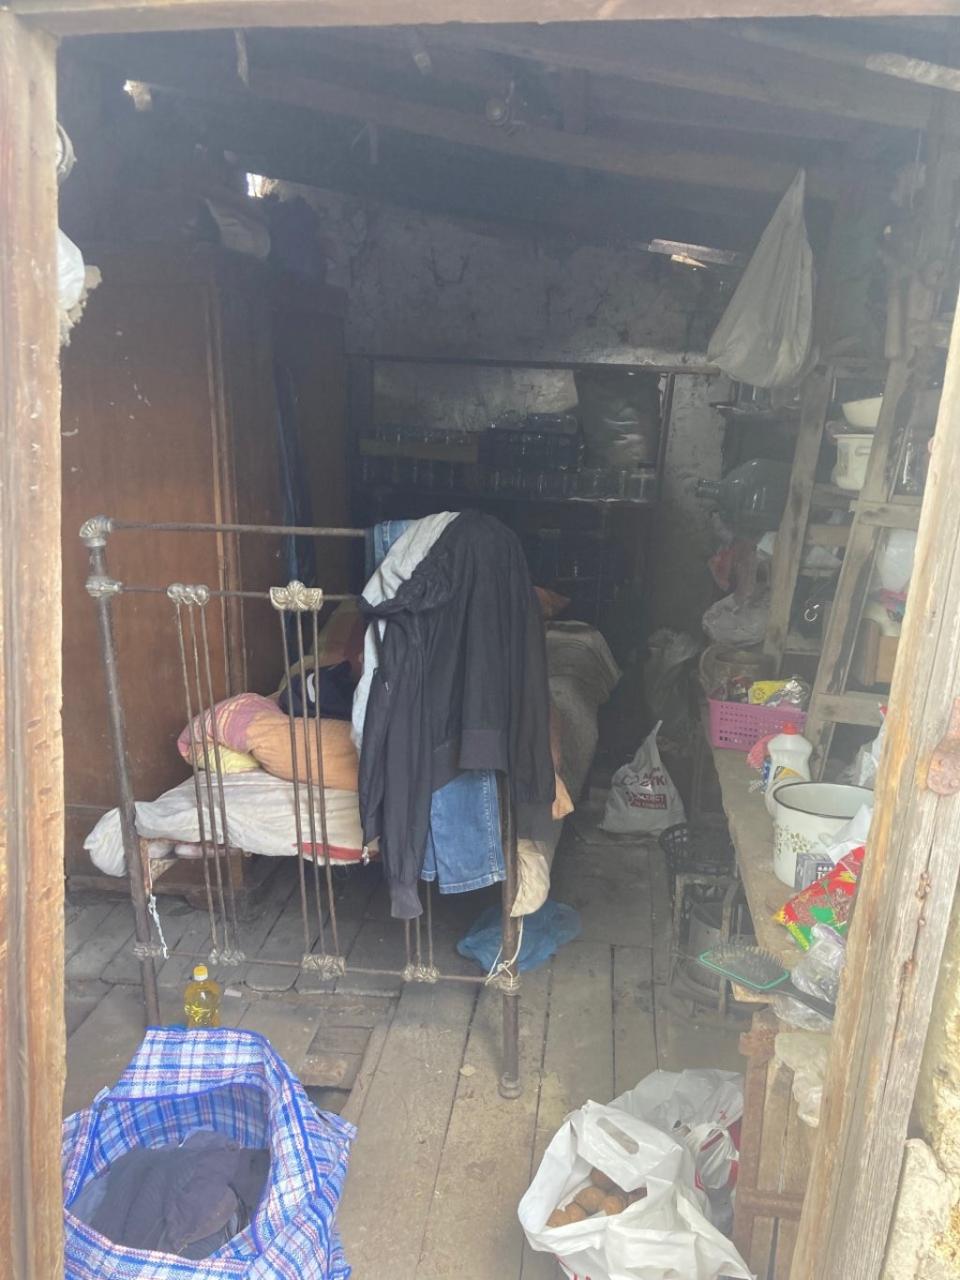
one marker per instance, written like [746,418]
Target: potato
[576,1212]
[613,1204]
[558,1218]
[591,1199]
[601,1180]
[639,1194]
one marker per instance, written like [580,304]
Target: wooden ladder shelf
[877,508]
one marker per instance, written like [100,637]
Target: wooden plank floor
[441,1160]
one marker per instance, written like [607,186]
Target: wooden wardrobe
[170,413]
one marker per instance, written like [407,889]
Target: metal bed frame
[298,611]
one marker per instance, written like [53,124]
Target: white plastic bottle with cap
[789,761]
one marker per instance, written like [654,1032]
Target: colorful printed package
[826,901]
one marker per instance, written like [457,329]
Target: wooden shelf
[799,645]
[829,495]
[466,497]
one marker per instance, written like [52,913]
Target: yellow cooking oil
[201,999]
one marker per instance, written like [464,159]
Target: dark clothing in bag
[461,684]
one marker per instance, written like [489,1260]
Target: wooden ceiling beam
[899,66]
[536,143]
[474,188]
[659,59]
[99,17]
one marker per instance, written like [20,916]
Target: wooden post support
[31,787]
[903,908]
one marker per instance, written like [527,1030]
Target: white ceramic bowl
[863,414]
[806,813]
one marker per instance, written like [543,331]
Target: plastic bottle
[201,999]
[789,761]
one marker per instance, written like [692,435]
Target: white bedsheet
[260,819]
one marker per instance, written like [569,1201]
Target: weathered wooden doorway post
[903,905]
[31,789]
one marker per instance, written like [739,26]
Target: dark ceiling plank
[418,174]
[704,168]
[681,59]
[899,66]
[93,17]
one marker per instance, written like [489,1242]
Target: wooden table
[751,830]
[775,1147]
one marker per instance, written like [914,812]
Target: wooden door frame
[101,17]
[912,869]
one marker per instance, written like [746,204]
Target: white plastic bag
[737,623]
[697,1108]
[766,333]
[867,762]
[70,273]
[643,799]
[661,1237]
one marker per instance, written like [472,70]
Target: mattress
[261,818]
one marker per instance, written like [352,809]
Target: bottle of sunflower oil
[201,999]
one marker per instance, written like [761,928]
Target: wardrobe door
[249,465]
[143,439]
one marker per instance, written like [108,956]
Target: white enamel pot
[805,815]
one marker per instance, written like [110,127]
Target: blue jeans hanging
[464,847]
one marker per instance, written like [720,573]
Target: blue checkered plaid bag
[234,1082]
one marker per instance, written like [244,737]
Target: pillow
[268,736]
[232,716]
[552,604]
[230,761]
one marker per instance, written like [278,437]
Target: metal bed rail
[298,609]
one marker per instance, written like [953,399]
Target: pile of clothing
[188,1199]
[454,690]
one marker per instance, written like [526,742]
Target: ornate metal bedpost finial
[93,532]
[187,593]
[296,597]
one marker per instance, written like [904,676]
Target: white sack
[766,333]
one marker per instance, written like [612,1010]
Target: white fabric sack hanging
[766,333]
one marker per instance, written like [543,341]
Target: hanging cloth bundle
[765,337]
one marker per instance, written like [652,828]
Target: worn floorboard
[396,1158]
[353,890]
[484,1168]
[634,1021]
[80,998]
[290,1026]
[113,931]
[610,887]
[105,1042]
[124,967]
[578,1054]
[83,920]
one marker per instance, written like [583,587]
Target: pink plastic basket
[738,725]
